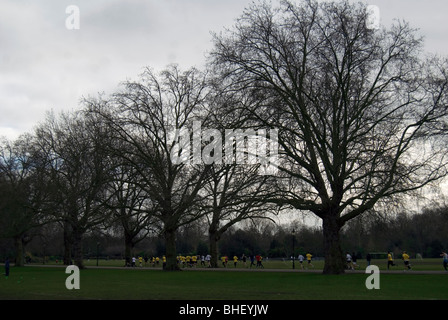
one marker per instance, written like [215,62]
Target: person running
[224,261]
[348,259]
[301,258]
[308,258]
[244,260]
[258,258]
[260,261]
[202,260]
[252,260]
[369,259]
[444,255]
[354,261]
[7,268]
[390,260]
[406,261]
[235,261]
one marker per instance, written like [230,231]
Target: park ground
[277,281]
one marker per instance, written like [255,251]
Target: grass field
[151,283]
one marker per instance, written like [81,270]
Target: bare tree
[145,116]
[359,112]
[23,192]
[78,170]
[131,208]
[234,193]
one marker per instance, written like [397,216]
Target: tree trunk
[67,244]
[170,250]
[334,258]
[19,261]
[77,248]
[128,246]
[213,243]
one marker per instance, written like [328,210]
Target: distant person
[444,255]
[252,260]
[301,258]
[258,258]
[243,258]
[354,261]
[260,261]
[406,260]
[348,259]
[390,260]
[7,268]
[368,258]
[235,260]
[308,258]
[202,260]
[224,260]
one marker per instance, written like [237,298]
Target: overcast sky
[45,66]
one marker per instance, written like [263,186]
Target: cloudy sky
[46,66]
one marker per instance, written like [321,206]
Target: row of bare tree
[361,116]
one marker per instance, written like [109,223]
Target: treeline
[119,166]
[421,233]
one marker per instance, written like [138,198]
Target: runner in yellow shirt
[390,260]
[224,261]
[406,260]
[235,260]
[188,260]
[308,258]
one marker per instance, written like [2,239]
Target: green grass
[49,283]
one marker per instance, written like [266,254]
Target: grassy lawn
[147,283]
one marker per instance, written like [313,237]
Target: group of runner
[192,260]
[308,257]
[253,258]
[257,260]
[404,256]
[154,261]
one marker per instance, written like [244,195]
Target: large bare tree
[78,171]
[359,111]
[146,116]
[24,192]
